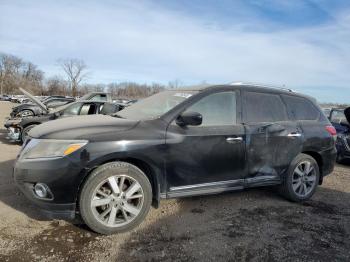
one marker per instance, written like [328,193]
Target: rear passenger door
[273,138]
[311,121]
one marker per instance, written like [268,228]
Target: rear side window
[263,107]
[301,108]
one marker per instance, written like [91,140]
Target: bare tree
[75,71]
[15,72]
[56,85]
[9,71]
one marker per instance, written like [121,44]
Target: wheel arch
[27,109]
[152,173]
[317,156]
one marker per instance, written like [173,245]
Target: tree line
[16,72]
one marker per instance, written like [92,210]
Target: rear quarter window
[263,107]
[301,108]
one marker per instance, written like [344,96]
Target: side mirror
[189,119]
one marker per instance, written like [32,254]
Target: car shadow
[253,225]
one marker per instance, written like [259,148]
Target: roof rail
[262,85]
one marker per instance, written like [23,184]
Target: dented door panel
[269,154]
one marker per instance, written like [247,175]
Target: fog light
[41,190]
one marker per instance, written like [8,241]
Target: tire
[25,132]
[289,187]
[25,113]
[118,213]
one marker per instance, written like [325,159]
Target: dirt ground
[252,225]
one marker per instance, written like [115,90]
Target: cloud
[146,42]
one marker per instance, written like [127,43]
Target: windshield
[156,105]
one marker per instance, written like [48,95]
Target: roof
[247,86]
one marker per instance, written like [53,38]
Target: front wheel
[25,131]
[301,180]
[115,198]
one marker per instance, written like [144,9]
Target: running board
[206,188]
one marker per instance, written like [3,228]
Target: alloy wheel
[117,200]
[304,179]
[25,113]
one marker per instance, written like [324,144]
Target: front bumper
[62,176]
[14,133]
[13,128]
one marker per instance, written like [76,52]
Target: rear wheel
[25,131]
[301,179]
[115,198]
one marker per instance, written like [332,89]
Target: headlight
[49,148]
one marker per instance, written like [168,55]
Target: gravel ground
[252,225]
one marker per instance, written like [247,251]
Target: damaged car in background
[53,102]
[340,119]
[18,128]
[177,143]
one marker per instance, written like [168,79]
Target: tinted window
[107,108]
[216,109]
[262,107]
[72,110]
[301,108]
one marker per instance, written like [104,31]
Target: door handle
[232,140]
[294,134]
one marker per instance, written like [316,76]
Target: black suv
[110,169]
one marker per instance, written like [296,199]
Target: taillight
[331,130]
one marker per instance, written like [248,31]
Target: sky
[301,44]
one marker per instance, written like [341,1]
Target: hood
[34,100]
[347,114]
[23,106]
[87,127]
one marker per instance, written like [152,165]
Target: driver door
[208,158]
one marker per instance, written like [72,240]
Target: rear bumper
[328,161]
